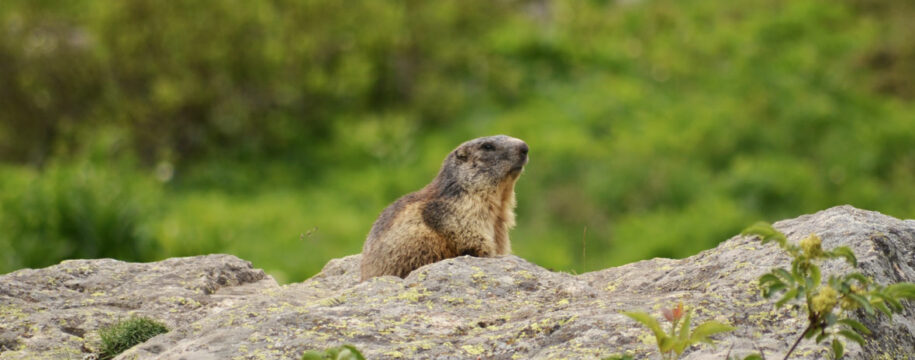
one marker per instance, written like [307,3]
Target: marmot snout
[466,210]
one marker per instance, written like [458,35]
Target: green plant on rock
[343,352]
[125,334]
[826,304]
[679,338]
[619,357]
[748,357]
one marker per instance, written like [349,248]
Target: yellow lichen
[647,338]
[394,354]
[180,300]
[525,274]
[473,349]
[413,294]
[12,311]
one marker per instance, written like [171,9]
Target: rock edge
[220,307]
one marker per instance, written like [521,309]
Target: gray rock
[54,313]
[461,308]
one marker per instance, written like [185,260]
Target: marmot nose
[524,149]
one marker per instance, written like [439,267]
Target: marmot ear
[461,153]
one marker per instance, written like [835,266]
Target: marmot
[466,210]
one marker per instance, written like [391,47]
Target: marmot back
[466,210]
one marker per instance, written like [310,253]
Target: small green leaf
[821,337]
[863,280]
[679,347]
[853,336]
[855,325]
[830,319]
[684,327]
[774,289]
[796,271]
[845,252]
[862,302]
[313,355]
[838,350]
[753,357]
[650,322]
[708,328]
[784,275]
[329,354]
[901,290]
[791,294]
[769,278]
[354,353]
[811,332]
[880,305]
[771,284]
[814,276]
[893,304]
[666,344]
[834,283]
[766,233]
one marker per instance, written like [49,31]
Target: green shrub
[126,333]
[826,305]
[88,206]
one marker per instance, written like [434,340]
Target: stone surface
[462,308]
[54,313]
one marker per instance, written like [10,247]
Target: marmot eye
[488,147]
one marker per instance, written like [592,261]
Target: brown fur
[467,209]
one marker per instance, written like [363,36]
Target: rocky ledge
[219,307]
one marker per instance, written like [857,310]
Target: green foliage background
[278,130]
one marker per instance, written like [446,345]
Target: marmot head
[484,162]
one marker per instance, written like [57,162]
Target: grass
[126,333]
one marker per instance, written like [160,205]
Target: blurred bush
[82,208]
[277,131]
[237,78]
